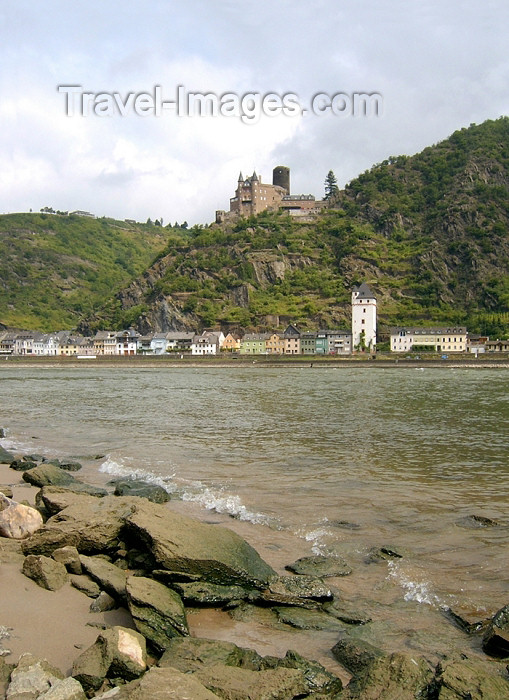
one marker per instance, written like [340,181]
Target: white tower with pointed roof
[363,318]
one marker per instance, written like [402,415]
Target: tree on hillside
[331,185]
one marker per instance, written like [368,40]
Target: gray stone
[158,612]
[242,684]
[320,566]
[346,612]
[189,654]
[22,465]
[356,655]
[18,521]
[161,684]
[56,498]
[5,456]
[70,465]
[46,474]
[142,489]
[475,522]
[7,491]
[85,585]
[297,590]
[317,678]
[5,673]
[474,679]
[496,638]
[46,572]
[468,620]
[181,544]
[109,577]
[68,689]
[90,524]
[384,553]
[103,603]
[117,653]
[69,557]
[393,677]
[203,593]
[31,678]
[307,619]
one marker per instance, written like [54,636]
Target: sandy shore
[54,625]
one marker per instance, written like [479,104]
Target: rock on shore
[143,557]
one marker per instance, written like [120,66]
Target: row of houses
[129,342]
[289,342]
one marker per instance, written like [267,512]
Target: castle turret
[363,318]
[281,177]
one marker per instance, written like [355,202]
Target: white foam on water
[417,591]
[117,467]
[217,500]
[221,502]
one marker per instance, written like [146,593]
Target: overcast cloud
[439,65]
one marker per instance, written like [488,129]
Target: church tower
[363,318]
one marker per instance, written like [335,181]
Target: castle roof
[364,292]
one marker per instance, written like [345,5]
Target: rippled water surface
[344,458]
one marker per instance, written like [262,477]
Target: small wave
[196,492]
[418,591]
[118,468]
[221,502]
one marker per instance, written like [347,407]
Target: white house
[363,318]
[208,343]
[127,342]
[450,339]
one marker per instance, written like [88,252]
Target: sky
[433,66]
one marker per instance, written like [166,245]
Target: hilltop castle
[252,197]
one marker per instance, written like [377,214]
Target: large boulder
[56,498]
[109,577]
[67,689]
[117,653]
[158,612]
[46,572]
[161,684]
[189,654]
[46,474]
[242,684]
[35,678]
[16,520]
[90,524]
[395,676]
[186,546]
[459,678]
[496,638]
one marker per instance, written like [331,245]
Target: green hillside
[55,269]
[429,233]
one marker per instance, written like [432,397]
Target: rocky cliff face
[429,233]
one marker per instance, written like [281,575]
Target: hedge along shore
[52,624]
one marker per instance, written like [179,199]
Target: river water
[327,460]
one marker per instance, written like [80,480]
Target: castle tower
[281,177]
[363,318]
